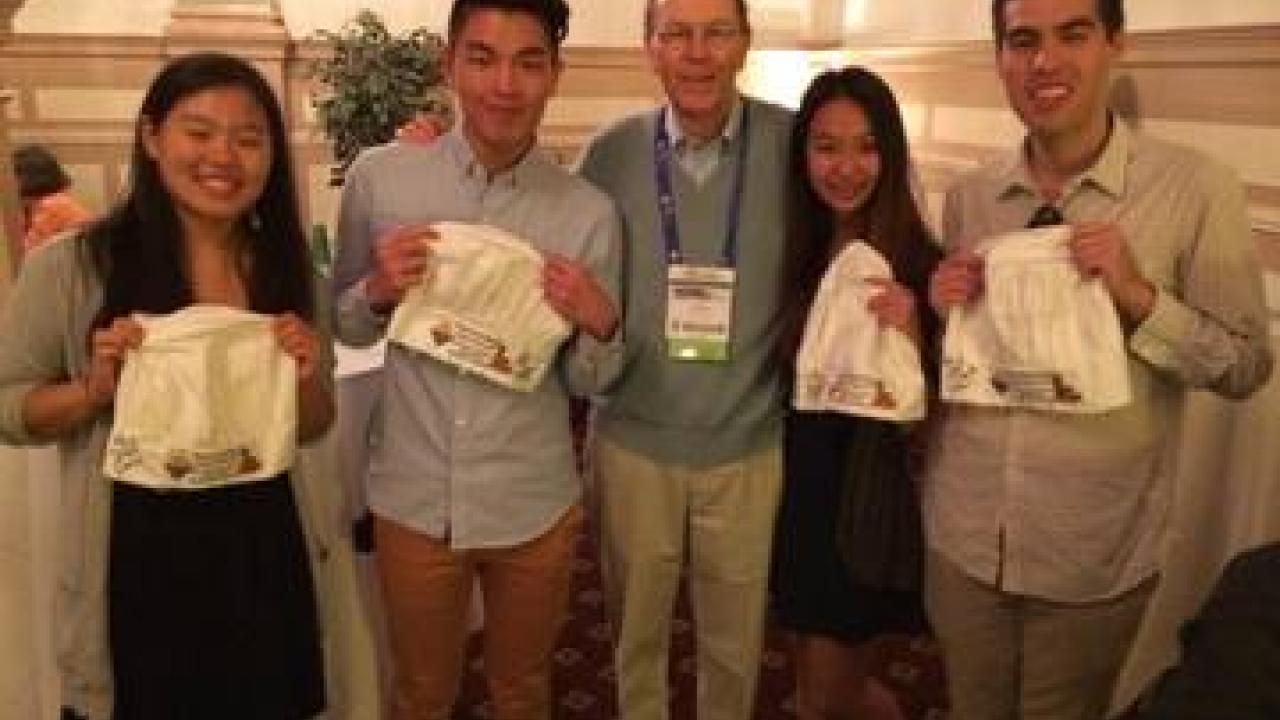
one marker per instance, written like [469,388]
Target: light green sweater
[696,414]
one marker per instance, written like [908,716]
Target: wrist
[604,329]
[379,295]
[1136,300]
[89,400]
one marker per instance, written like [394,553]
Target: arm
[354,321]
[39,398]
[1212,332]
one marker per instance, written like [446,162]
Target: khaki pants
[656,517]
[426,587]
[1012,657]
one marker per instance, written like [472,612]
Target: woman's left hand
[894,306]
[298,340]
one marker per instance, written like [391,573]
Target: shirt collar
[1106,174]
[727,134]
[523,173]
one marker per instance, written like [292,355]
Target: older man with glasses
[687,451]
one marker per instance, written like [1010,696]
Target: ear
[557,70]
[1120,42]
[148,134]
[447,59]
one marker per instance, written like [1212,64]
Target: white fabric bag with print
[481,308]
[208,399]
[1039,336]
[847,362]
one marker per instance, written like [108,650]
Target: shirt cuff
[372,315]
[596,351]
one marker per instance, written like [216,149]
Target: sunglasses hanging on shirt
[1046,216]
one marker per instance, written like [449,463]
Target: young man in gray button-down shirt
[468,478]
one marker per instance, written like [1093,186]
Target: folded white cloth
[208,399]
[847,362]
[1040,335]
[481,307]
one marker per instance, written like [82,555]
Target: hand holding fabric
[571,291]
[1101,250]
[109,346]
[400,262]
[894,307]
[957,281]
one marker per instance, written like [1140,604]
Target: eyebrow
[477,46]
[201,119]
[1082,22]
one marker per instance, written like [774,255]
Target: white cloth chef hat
[208,399]
[847,362]
[1040,335]
[481,308]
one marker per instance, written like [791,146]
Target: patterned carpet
[584,673]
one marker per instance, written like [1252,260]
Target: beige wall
[79,94]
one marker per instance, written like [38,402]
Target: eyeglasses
[1046,216]
[717,35]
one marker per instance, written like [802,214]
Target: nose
[221,149]
[505,78]
[849,165]
[1045,57]
[698,47]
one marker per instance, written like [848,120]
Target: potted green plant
[372,81]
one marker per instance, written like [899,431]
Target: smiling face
[842,158]
[503,69]
[1055,58]
[697,48]
[213,154]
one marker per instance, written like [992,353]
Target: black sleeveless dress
[212,609]
[812,589]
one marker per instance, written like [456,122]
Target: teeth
[217,184]
[1050,93]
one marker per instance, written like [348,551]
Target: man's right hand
[400,262]
[956,281]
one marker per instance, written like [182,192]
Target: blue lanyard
[662,156]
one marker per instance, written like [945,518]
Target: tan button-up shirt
[1073,508]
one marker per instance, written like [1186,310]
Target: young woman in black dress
[850,180]
[182,604]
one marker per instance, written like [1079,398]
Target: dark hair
[1110,13]
[552,14]
[38,172]
[891,219]
[652,5]
[138,248]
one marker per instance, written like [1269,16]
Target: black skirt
[212,608]
[812,589]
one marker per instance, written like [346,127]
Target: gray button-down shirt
[454,455]
[1073,508]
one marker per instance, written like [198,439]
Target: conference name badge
[699,312]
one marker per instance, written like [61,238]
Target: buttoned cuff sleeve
[356,322]
[1200,351]
[592,365]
